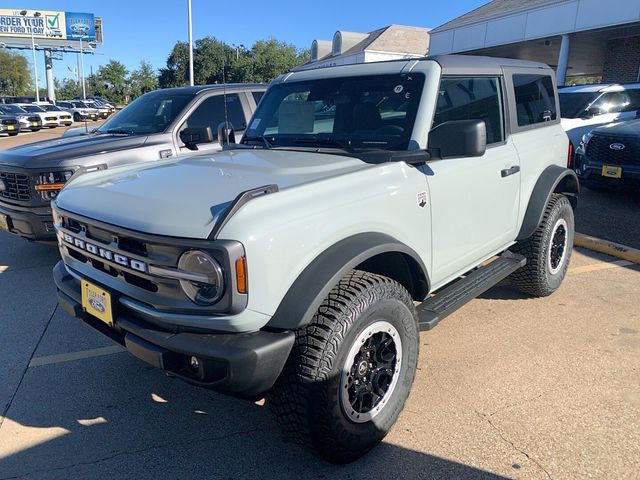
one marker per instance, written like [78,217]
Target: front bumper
[589,171]
[30,126]
[32,223]
[9,128]
[243,364]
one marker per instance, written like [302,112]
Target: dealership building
[599,38]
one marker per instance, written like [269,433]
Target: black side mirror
[458,138]
[226,135]
[191,137]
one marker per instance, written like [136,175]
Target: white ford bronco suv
[364,204]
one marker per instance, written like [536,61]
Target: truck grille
[599,149]
[16,186]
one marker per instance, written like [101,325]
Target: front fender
[316,281]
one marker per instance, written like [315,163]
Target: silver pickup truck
[148,129]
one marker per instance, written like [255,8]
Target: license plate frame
[96,301]
[611,171]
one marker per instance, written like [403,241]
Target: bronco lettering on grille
[106,254]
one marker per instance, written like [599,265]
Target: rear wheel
[351,368]
[548,250]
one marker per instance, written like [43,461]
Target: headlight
[207,283]
[585,139]
[50,183]
[23,117]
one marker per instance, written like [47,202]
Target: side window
[535,99]
[210,113]
[472,98]
[257,96]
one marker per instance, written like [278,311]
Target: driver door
[474,201]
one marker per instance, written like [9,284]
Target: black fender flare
[554,179]
[315,282]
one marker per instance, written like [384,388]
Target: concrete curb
[609,248]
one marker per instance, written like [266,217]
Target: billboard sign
[50,24]
[80,26]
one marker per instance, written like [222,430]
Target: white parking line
[69,357]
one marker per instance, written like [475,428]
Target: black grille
[9,121]
[16,186]
[599,149]
[50,118]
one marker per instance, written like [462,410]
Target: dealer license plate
[4,222]
[97,302]
[34,124]
[611,172]
[10,127]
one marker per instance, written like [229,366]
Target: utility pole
[33,49]
[84,92]
[190,45]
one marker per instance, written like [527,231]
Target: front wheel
[351,369]
[548,250]
[77,117]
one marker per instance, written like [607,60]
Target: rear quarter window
[535,99]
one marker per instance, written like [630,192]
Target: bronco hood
[182,197]
[62,151]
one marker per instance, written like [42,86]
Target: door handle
[509,171]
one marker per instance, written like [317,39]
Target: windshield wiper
[259,138]
[344,145]
[116,131]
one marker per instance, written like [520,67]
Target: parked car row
[600,121]
[17,117]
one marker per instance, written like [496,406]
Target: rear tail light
[570,156]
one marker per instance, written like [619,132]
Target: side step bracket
[449,299]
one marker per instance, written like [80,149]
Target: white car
[49,119]
[65,119]
[79,110]
[586,107]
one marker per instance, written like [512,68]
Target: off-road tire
[306,398]
[538,277]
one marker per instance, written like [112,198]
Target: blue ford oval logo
[617,146]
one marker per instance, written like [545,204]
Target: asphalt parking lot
[43,134]
[507,387]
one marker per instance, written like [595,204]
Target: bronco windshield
[150,113]
[376,111]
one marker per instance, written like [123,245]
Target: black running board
[449,299]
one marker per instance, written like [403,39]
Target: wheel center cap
[363,367]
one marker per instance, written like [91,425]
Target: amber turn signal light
[49,186]
[241,275]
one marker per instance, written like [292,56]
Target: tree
[267,59]
[142,80]
[110,81]
[66,89]
[262,63]
[15,75]
[176,73]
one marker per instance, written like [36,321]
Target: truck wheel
[548,250]
[351,369]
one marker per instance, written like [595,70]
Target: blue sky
[144,29]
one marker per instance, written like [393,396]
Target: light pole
[33,49]
[84,93]
[190,44]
